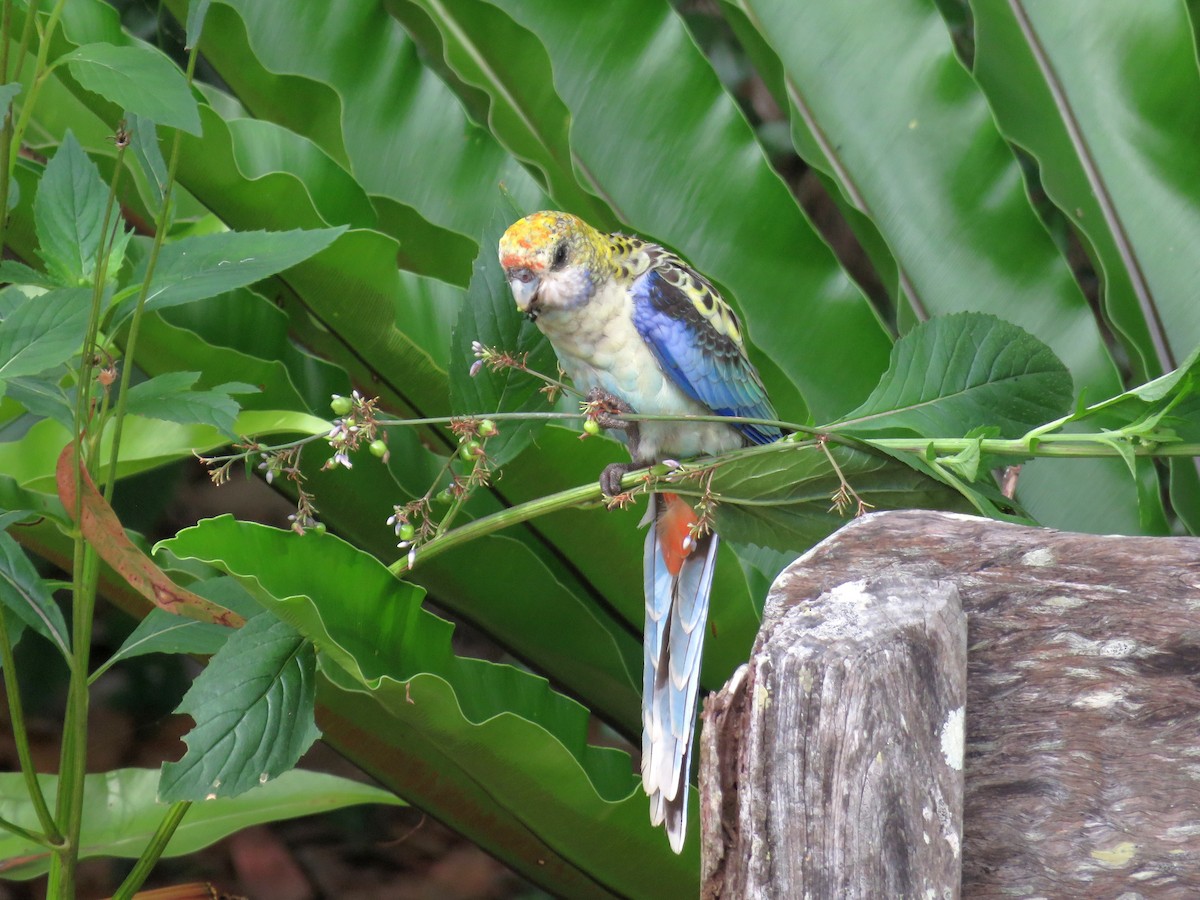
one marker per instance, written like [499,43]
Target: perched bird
[638,330]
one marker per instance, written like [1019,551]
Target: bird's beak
[524,286]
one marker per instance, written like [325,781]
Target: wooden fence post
[1082,760]
[850,731]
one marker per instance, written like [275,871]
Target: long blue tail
[678,579]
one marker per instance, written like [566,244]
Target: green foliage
[126,811]
[26,596]
[955,373]
[254,714]
[327,219]
[69,216]
[138,80]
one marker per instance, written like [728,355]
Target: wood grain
[1082,766]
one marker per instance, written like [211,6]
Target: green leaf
[123,813]
[44,395]
[908,137]
[201,266]
[170,397]
[1083,106]
[436,204]
[163,632]
[7,93]
[494,727]
[137,79]
[475,41]
[1169,388]
[143,144]
[14,272]
[253,708]
[197,10]
[145,443]
[956,373]
[28,597]
[43,332]
[68,214]
[490,318]
[782,499]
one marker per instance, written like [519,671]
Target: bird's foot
[610,478]
[607,410]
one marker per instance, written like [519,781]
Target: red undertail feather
[675,532]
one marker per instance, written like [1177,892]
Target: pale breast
[599,346]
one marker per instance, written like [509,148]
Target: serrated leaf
[161,632]
[955,373]
[253,708]
[44,395]
[28,597]
[14,272]
[170,397]
[123,813]
[43,332]
[68,213]
[138,79]
[490,317]
[209,264]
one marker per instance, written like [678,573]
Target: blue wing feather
[707,365]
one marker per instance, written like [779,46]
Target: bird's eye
[560,256]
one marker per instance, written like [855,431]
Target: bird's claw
[607,409]
[610,478]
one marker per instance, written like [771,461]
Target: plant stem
[160,233]
[39,77]
[85,576]
[33,838]
[6,128]
[16,717]
[1050,445]
[575,496]
[153,851]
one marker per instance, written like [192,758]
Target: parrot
[638,330]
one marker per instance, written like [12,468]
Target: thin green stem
[577,496]
[31,836]
[85,577]
[6,128]
[154,851]
[1051,445]
[16,716]
[26,37]
[40,72]
[1070,445]
[5,35]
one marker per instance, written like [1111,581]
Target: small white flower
[412,558]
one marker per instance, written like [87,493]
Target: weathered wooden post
[1082,763]
[847,728]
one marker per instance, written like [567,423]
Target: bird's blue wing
[696,339]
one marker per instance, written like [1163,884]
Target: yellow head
[552,260]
